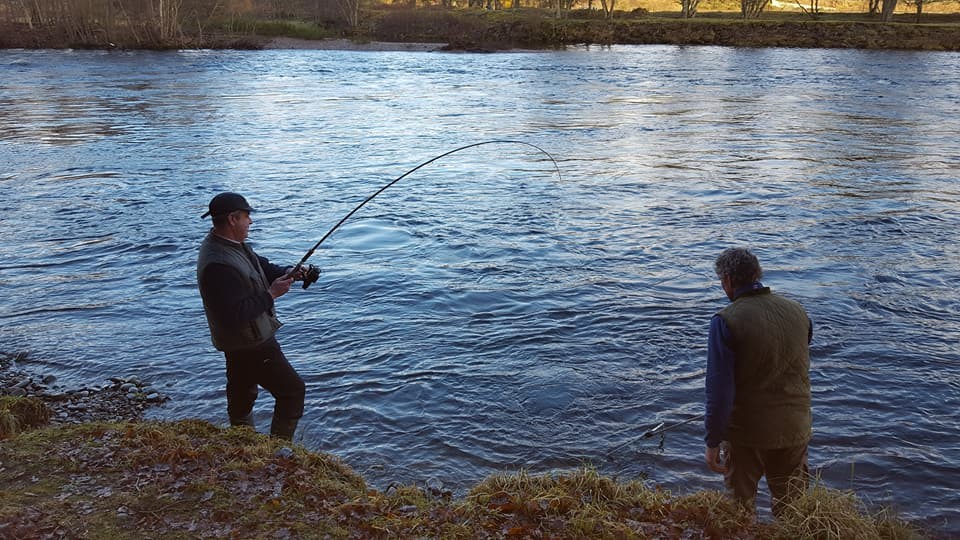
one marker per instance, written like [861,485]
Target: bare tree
[32,11]
[919,5]
[751,9]
[350,9]
[886,10]
[169,17]
[688,8]
[874,6]
[607,6]
[814,11]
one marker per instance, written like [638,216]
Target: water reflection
[485,314]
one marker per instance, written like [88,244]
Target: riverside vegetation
[102,478]
[191,479]
[165,24]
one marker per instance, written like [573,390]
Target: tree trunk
[919,10]
[886,13]
[607,8]
[751,9]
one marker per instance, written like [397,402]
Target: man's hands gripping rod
[307,274]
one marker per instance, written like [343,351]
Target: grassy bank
[190,479]
[478,29]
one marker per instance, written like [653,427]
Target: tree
[886,11]
[814,11]
[607,8]
[751,9]
[350,9]
[919,5]
[874,6]
[688,8]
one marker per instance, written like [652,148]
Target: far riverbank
[435,30]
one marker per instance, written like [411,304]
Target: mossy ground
[191,479]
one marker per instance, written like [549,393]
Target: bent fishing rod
[313,274]
[658,429]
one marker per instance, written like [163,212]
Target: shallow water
[486,313]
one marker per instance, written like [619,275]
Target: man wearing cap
[238,288]
[758,386]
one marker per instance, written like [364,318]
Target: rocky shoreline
[118,399]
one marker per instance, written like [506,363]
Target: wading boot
[243,421]
[283,428]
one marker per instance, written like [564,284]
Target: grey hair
[738,264]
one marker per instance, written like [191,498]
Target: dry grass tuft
[191,479]
[18,414]
[831,514]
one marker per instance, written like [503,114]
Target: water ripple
[486,314]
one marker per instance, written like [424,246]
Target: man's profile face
[240,222]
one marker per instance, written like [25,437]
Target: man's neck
[226,236]
[748,289]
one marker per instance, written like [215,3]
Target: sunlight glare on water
[487,314]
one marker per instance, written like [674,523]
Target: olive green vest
[216,250]
[770,338]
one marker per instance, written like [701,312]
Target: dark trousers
[785,468]
[266,366]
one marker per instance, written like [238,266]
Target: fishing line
[309,253]
[660,428]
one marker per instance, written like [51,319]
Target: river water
[487,314]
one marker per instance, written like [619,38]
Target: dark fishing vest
[771,407]
[216,250]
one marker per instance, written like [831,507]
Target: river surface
[486,313]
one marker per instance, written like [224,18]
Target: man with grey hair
[238,288]
[757,386]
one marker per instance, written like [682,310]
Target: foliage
[190,479]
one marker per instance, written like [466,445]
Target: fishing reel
[310,275]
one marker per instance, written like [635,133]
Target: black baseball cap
[227,202]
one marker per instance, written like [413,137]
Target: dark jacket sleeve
[220,284]
[271,270]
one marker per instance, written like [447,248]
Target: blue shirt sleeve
[720,387]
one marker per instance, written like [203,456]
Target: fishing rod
[659,428]
[313,274]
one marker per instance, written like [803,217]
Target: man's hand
[713,460]
[281,285]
